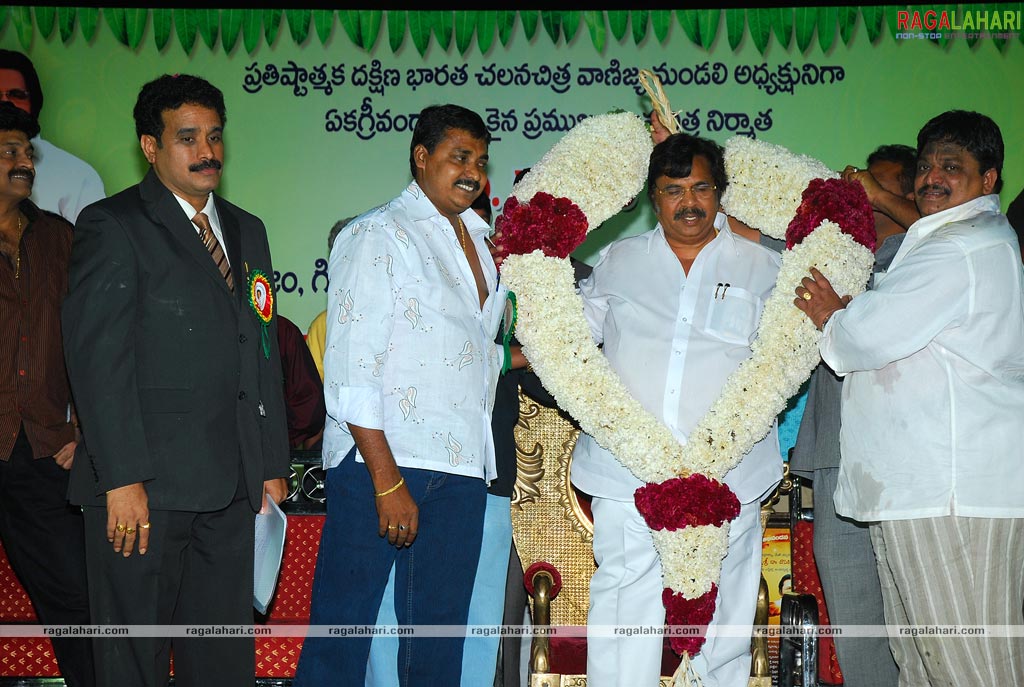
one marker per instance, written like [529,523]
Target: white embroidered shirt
[408,349]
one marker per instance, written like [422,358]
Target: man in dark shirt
[303,388]
[41,533]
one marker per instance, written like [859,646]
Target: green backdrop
[319,102]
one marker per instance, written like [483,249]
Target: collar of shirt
[420,207]
[930,223]
[210,210]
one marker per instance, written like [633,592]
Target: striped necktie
[213,245]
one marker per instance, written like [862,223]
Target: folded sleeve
[365,272]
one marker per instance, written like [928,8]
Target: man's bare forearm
[373,447]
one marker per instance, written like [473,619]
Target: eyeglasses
[701,191]
[14,94]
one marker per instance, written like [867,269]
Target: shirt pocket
[733,316]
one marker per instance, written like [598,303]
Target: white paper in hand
[270,530]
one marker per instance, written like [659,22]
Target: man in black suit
[171,346]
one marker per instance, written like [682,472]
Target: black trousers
[43,536]
[198,570]
[517,602]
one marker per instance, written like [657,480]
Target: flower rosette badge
[261,300]
[596,169]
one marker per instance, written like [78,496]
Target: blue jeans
[433,577]
[487,607]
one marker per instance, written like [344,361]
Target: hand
[398,517]
[128,518]
[276,489]
[518,359]
[866,179]
[309,443]
[494,247]
[658,130]
[817,299]
[66,455]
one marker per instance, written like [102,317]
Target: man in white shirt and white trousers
[932,435]
[676,309]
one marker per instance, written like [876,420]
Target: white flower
[556,339]
[783,354]
[766,182]
[600,164]
[691,558]
[597,165]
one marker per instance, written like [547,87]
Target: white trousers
[626,591]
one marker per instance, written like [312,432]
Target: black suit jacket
[167,366]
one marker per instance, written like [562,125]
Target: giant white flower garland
[767,184]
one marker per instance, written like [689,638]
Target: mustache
[470,182]
[206,164]
[933,187]
[22,171]
[700,213]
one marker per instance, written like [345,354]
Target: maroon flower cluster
[681,502]
[843,202]
[682,611]
[555,225]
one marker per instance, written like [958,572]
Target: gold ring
[144,526]
[807,295]
[129,530]
[392,527]
[120,527]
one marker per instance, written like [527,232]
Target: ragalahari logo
[933,24]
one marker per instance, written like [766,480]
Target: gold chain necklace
[462,234]
[17,249]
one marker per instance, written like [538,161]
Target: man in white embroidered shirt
[932,439]
[410,370]
[676,309]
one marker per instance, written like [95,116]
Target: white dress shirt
[933,402]
[674,339]
[408,349]
[64,183]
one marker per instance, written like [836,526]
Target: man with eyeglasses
[64,183]
[676,309]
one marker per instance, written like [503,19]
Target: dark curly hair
[673,158]
[169,92]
